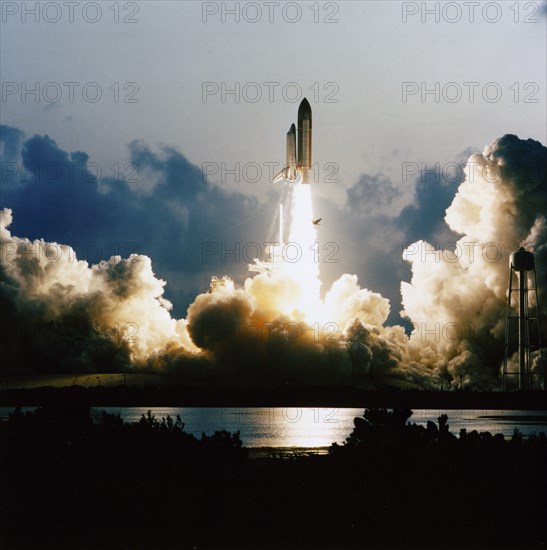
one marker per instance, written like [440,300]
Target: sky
[162,121]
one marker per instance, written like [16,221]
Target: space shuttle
[298,163]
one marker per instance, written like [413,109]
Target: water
[319,427]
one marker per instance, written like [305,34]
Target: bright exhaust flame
[300,260]
[294,262]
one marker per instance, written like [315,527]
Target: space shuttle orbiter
[298,158]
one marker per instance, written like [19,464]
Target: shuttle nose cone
[305,104]
[304,111]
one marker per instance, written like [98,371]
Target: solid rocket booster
[298,163]
[304,140]
[291,154]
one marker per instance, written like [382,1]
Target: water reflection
[314,427]
[319,427]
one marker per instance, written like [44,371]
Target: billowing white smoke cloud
[63,314]
[457,298]
[116,318]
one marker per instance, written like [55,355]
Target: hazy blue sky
[357,54]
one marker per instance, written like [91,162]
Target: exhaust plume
[65,315]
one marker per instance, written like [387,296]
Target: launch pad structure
[523,298]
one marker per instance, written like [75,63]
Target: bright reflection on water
[319,427]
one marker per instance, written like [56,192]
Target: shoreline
[269,453]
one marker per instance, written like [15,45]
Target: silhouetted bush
[68,437]
[383,432]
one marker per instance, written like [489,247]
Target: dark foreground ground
[71,481]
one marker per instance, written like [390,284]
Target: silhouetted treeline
[71,479]
[77,433]
[283,396]
[390,433]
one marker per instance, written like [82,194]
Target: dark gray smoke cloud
[168,212]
